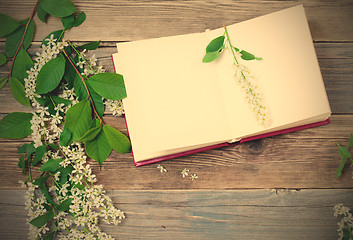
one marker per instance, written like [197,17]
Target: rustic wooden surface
[281,187]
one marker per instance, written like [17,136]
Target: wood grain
[184,214]
[281,187]
[303,159]
[119,20]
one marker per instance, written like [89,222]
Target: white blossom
[194,177]
[161,168]
[88,201]
[185,172]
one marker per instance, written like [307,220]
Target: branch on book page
[243,76]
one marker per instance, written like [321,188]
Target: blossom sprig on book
[243,76]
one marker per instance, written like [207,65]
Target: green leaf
[50,101]
[7,25]
[30,149]
[108,85]
[79,88]
[90,134]
[39,154]
[49,236]
[76,60]
[90,46]
[51,165]
[78,119]
[65,205]
[344,152]
[41,13]
[42,219]
[14,39]
[79,186]
[70,73]
[40,180]
[58,100]
[50,75]
[46,194]
[350,141]
[58,35]
[210,56]
[236,49]
[47,207]
[215,45]
[97,100]
[64,173]
[81,17]
[43,100]
[22,63]
[99,148]
[248,56]
[119,142]
[53,146]
[18,91]
[16,125]
[68,21]
[2,59]
[22,164]
[3,82]
[65,137]
[344,155]
[58,8]
[23,148]
[27,41]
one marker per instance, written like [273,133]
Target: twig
[83,80]
[23,37]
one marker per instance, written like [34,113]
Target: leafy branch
[83,81]
[345,154]
[63,95]
[23,36]
[242,74]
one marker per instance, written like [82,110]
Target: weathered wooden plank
[233,214]
[335,59]
[303,159]
[118,20]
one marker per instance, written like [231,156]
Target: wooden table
[281,187]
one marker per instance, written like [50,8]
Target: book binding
[203,149]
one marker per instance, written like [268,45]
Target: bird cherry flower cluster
[80,203]
[345,226]
[245,79]
[184,172]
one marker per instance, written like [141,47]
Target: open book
[177,105]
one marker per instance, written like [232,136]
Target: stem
[56,183]
[232,49]
[23,37]
[84,83]
[62,33]
[349,229]
[230,44]
[84,59]
[29,168]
